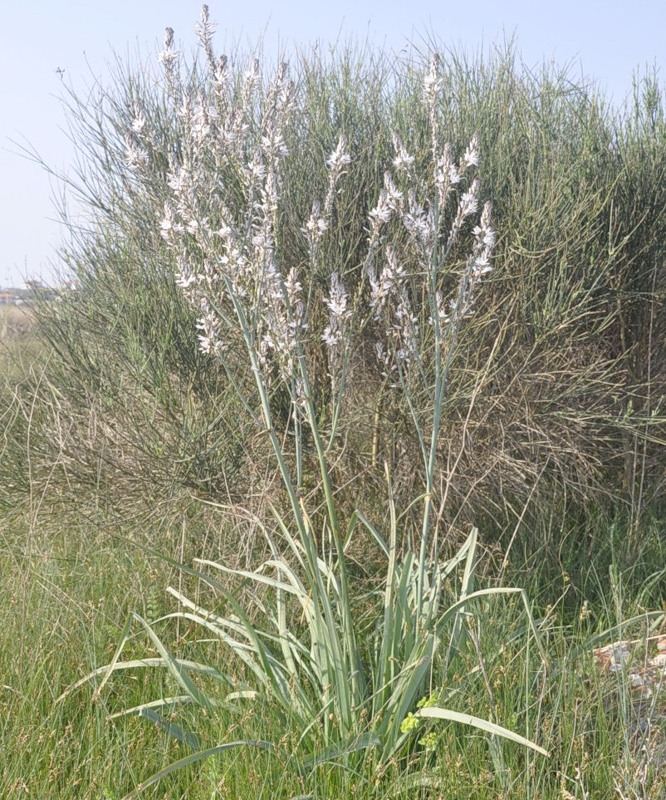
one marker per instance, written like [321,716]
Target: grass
[245,568]
[15,322]
[66,587]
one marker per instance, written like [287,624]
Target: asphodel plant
[256,314]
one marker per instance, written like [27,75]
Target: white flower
[275,145]
[484,241]
[471,156]
[339,314]
[293,286]
[468,201]
[381,353]
[168,56]
[393,195]
[402,161]
[337,300]
[139,123]
[179,181]
[481,266]
[208,324]
[329,338]
[168,225]
[382,212]
[224,232]
[185,280]
[221,76]
[137,157]
[338,158]
[205,344]
[419,222]
[432,82]
[316,225]
[486,236]
[256,169]
[205,29]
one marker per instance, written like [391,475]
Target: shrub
[558,379]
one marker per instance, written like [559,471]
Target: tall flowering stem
[230,269]
[401,339]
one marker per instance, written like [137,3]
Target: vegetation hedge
[555,399]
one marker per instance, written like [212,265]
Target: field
[338,470]
[15,322]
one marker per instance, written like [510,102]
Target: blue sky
[605,41]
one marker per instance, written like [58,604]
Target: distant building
[7,297]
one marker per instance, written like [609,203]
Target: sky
[46,45]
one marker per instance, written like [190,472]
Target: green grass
[66,587]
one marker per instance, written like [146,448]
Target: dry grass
[15,323]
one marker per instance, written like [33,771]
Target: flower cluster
[169,57]
[204,31]
[422,214]
[222,220]
[392,307]
[319,220]
[339,313]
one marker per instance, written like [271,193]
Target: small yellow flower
[409,723]
[429,741]
[428,702]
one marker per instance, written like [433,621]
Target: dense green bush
[558,377]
